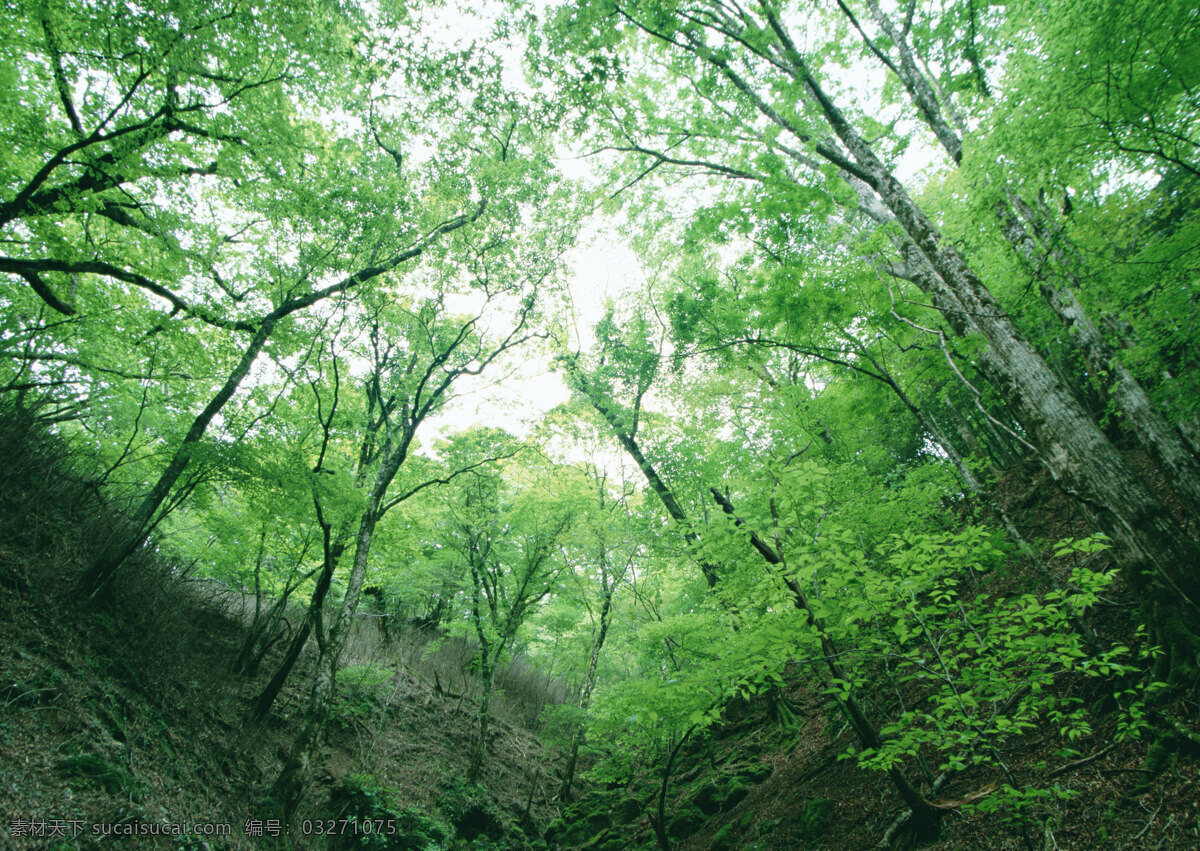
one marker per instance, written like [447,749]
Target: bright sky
[514,394]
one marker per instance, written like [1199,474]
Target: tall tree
[780,128]
[511,546]
[417,351]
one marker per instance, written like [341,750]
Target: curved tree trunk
[585,696]
[1160,560]
[629,443]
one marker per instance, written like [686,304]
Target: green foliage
[95,769]
[393,824]
[989,669]
[362,691]
[1021,806]
[559,723]
[175,176]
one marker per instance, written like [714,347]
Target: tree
[602,549]
[627,362]
[511,548]
[416,351]
[783,131]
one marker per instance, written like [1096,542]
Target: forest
[608,424]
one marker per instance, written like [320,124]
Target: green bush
[362,798]
[362,691]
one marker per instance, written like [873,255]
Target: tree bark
[1127,517]
[289,786]
[262,707]
[585,696]
[487,676]
[1164,444]
[1160,560]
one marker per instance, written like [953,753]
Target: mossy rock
[767,826]
[736,793]
[477,820]
[723,840]
[566,832]
[686,822]
[597,822]
[709,799]
[627,810]
[814,820]
[554,830]
[605,841]
[582,820]
[721,795]
[97,770]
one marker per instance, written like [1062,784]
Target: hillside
[650,424]
[126,719]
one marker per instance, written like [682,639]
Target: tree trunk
[1160,560]
[261,638]
[257,627]
[1164,444]
[126,540]
[262,707]
[585,697]
[288,788]
[487,678]
[333,549]
[1098,486]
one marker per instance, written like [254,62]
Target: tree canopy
[896,262]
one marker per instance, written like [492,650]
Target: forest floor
[107,726]
[754,784]
[123,722]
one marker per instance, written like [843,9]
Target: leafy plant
[363,798]
[362,691]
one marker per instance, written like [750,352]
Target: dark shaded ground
[125,717]
[128,716]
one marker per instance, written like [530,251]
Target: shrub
[362,692]
[364,799]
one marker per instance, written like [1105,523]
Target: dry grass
[129,713]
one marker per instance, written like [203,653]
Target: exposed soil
[125,718]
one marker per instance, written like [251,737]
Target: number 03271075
[348,827]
